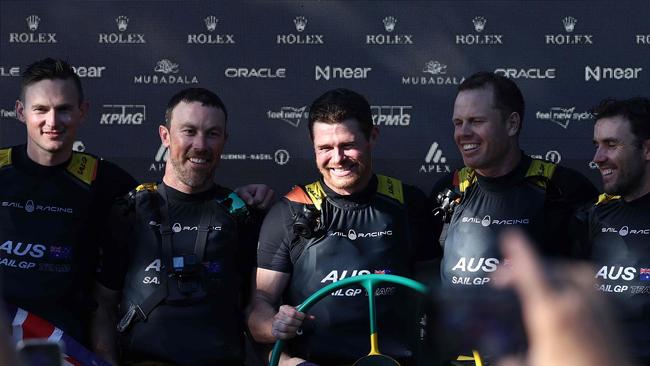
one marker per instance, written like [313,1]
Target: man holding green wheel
[350,222]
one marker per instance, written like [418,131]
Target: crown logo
[122,22]
[166,67]
[300,22]
[32,22]
[211,23]
[435,68]
[479,23]
[389,23]
[569,23]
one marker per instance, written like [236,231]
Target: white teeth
[606,171]
[197,160]
[470,146]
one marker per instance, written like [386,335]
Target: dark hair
[335,106]
[636,110]
[200,95]
[507,96]
[48,69]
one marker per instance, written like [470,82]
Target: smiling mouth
[470,147]
[200,161]
[606,172]
[340,172]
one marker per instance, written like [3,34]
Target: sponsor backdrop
[269,60]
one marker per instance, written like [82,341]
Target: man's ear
[374,136]
[513,124]
[20,111]
[164,135]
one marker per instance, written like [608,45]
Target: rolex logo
[32,22]
[479,23]
[166,67]
[300,22]
[122,22]
[435,68]
[211,23]
[389,23]
[569,23]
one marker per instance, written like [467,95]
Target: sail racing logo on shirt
[487,220]
[354,235]
[29,206]
[625,231]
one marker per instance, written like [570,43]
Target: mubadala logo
[259,73]
[562,116]
[300,23]
[391,115]
[211,38]
[121,37]
[569,24]
[553,156]
[11,71]
[438,72]
[389,39]
[280,156]
[123,114]
[89,71]
[487,220]
[479,23]
[598,73]
[168,69]
[435,161]
[523,73]
[290,115]
[333,72]
[354,235]
[33,21]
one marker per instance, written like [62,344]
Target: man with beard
[54,205]
[350,222]
[190,247]
[500,186]
[616,230]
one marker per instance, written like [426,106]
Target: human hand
[259,196]
[568,323]
[287,321]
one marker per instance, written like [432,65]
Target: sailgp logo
[354,235]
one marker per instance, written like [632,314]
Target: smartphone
[40,352]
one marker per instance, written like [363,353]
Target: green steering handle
[368,282]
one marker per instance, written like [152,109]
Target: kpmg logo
[211,38]
[569,38]
[290,115]
[438,76]
[388,38]
[257,73]
[553,156]
[334,72]
[89,71]
[391,115]
[524,73]
[123,114]
[479,24]
[435,161]
[280,157]
[300,38]
[121,37]
[166,73]
[33,22]
[563,116]
[11,71]
[598,73]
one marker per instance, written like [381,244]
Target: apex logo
[435,161]
[33,22]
